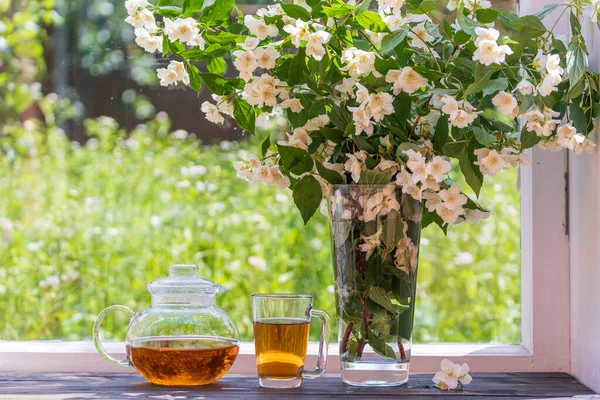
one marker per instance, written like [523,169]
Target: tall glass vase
[375,233]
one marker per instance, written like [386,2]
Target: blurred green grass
[86,226]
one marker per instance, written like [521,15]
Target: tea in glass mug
[281,331]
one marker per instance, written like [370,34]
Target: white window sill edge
[81,356]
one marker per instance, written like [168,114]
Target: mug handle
[323,345]
[103,353]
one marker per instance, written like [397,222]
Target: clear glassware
[183,338]
[281,330]
[375,233]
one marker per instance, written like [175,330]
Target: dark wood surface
[132,386]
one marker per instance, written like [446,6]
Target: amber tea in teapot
[183,338]
[182,360]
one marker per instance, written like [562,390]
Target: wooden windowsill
[119,386]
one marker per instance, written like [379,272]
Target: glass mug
[281,329]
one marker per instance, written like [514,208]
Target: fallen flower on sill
[452,375]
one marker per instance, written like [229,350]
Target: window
[94,207]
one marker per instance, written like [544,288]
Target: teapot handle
[103,353]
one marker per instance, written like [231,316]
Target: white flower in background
[388,166]
[53,281]
[549,84]
[146,41]
[133,6]
[35,246]
[314,45]
[250,43]
[390,6]
[173,74]
[462,119]
[156,221]
[438,167]
[490,161]
[526,88]
[370,243]
[257,263]
[418,168]
[420,36]
[380,203]
[452,375]
[405,80]
[450,106]
[259,28]
[182,29]
[245,62]
[212,113]
[507,104]
[355,164]
[266,56]
[7,227]
[452,198]
[375,37]
[359,62]
[568,138]
[294,105]
[486,34]
[298,32]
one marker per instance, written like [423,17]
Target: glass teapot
[183,338]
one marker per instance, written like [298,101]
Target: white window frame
[545,297]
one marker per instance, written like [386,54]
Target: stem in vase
[402,352]
[346,337]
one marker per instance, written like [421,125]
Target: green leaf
[217,84]
[529,24]
[453,149]
[169,11]
[528,138]
[339,117]
[466,23]
[295,11]
[392,40]
[191,7]
[220,12]
[379,296]
[264,147]
[195,80]
[244,114]
[217,65]
[470,171]
[482,78]
[297,67]
[487,15]
[338,11]
[329,175]
[372,21]
[402,106]
[335,135]
[577,116]
[548,8]
[165,2]
[575,25]
[576,61]
[362,144]
[484,138]
[379,345]
[295,160]
[370,177]
[393,229]
[495,85]
[362,7]
[307,196]
[460,38]
[165,46]
[440,137]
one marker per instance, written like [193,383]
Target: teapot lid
[183,280]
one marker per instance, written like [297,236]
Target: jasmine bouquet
[381,99]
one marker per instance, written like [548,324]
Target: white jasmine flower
[525,88]
[362,93]
[371,243]
[212,113]
[489,161]
[405,80]
[182,29]
[259,28]
[362,120]
[355,164]
[359,62]
[174,73]
[314,45]
[432,200]
[346,88]
[462,119]
[420,36]
[250,43]
[507,104]
[452,198]
[390,6]
[298,32]
[486,34]
[448,215]
[405,257]
[147,42]
[278,178]
[133,6]
[394,22]
[476,215]
[294,105]
[388,166]
[380,105]
[549,84]
[450,106]
[418,169]
[266,56]
[316,123]
[300,139]
[488,52]
[451,375]
[380,203]
[438,167]
[245,62]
